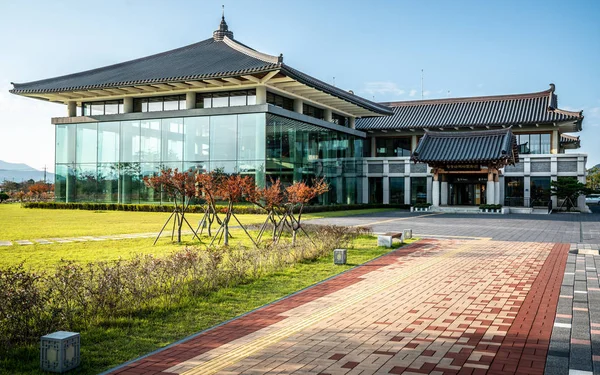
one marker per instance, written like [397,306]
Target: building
[221,104]
[466,135]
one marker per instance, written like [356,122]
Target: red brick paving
[493,315]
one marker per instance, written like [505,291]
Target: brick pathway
[434,307]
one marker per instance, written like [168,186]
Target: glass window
[545,144]
[86,144]
[86,186]
[129,180]
[338,119]
[60,182]
[155,104]
[223,136]
[418,190]
[220,99]
[514,192]
[196,139]
[540,191]
[172,139]
[150,141]
[87,109]
[280,101]
[97,109]
[534,145]
[251,97]
[171,103]
[203,100]
[312,111]
[130,141]
[237,98]
[397,190]
[524,145]
[251,137]
[108,183]
[376,190]
[65,143]
[111,107]
[108,142]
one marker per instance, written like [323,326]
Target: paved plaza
[477,295]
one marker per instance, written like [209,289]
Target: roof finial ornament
[280,58]
[223,31]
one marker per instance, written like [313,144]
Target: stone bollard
[60,351]
[407,234]
[340,256]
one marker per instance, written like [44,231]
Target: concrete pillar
[429,189]
[127,104]
[444,191]
[261,95]
[386,190]
[298,105]
[435,191]
[490,189]
[407,190]
[373,147]
[352,122]
[71,109]
[365,190]
[190,100]
[496,189]
[554,198]
[527,193]
[581,199]
[555,142]
[327,115]
[413,143]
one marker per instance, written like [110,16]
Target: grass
[116,341]
[18,223]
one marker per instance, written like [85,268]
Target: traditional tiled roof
[507,110]
[217,57]
[498,146]
[569,141]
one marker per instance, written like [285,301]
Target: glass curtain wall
[107,161]
[297,151]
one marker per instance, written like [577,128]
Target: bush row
[490,206]
[241,209]
[75,296]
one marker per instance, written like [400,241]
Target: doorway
[466,191]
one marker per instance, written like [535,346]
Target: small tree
[593,179]
[206,188]
[297,196]
[568,189]
[181,188]
[233,189]
[40,189]
[3,197]
[271,200]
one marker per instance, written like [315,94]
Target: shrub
[239,209]
[75,296]
[3,197]
[490,206]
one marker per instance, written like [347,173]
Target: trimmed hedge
[242,209]
[490,206]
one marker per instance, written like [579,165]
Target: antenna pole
[421,84]
[44,173]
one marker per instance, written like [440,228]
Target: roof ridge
[578,114]
[469,99]
[15,85]
[470,133]
[250,52]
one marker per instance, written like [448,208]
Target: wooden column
[435,189]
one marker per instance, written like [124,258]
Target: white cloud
[426,93]
[383,88]
[413,92]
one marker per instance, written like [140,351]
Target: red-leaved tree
[180,187]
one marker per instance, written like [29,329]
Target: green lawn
[112,342]
[18,223]
[116,341]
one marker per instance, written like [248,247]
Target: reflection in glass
[223,138]
[196,143]
[65,143]
[108,142]
[172,139]
[396,190]
[418,190]
[86,144]
[130,141]
[150,141]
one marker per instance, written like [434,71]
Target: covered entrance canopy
[470,161]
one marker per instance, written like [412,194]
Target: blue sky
[376,48]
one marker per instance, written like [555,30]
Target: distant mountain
[597,166]
[22,172]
